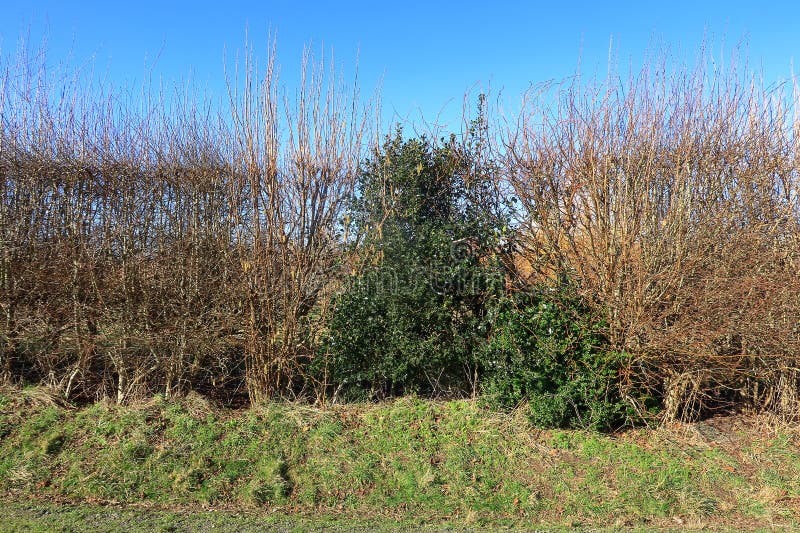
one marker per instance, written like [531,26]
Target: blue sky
[425,54]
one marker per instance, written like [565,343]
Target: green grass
[48,517]
[411,460]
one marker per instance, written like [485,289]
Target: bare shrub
[297,164]
[671,196]
[168,247]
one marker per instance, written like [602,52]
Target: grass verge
[404,463]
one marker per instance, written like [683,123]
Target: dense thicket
[673,198]
[170,249]
[619,246]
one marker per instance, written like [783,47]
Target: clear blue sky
[427,54]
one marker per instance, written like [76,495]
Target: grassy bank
[423,461]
